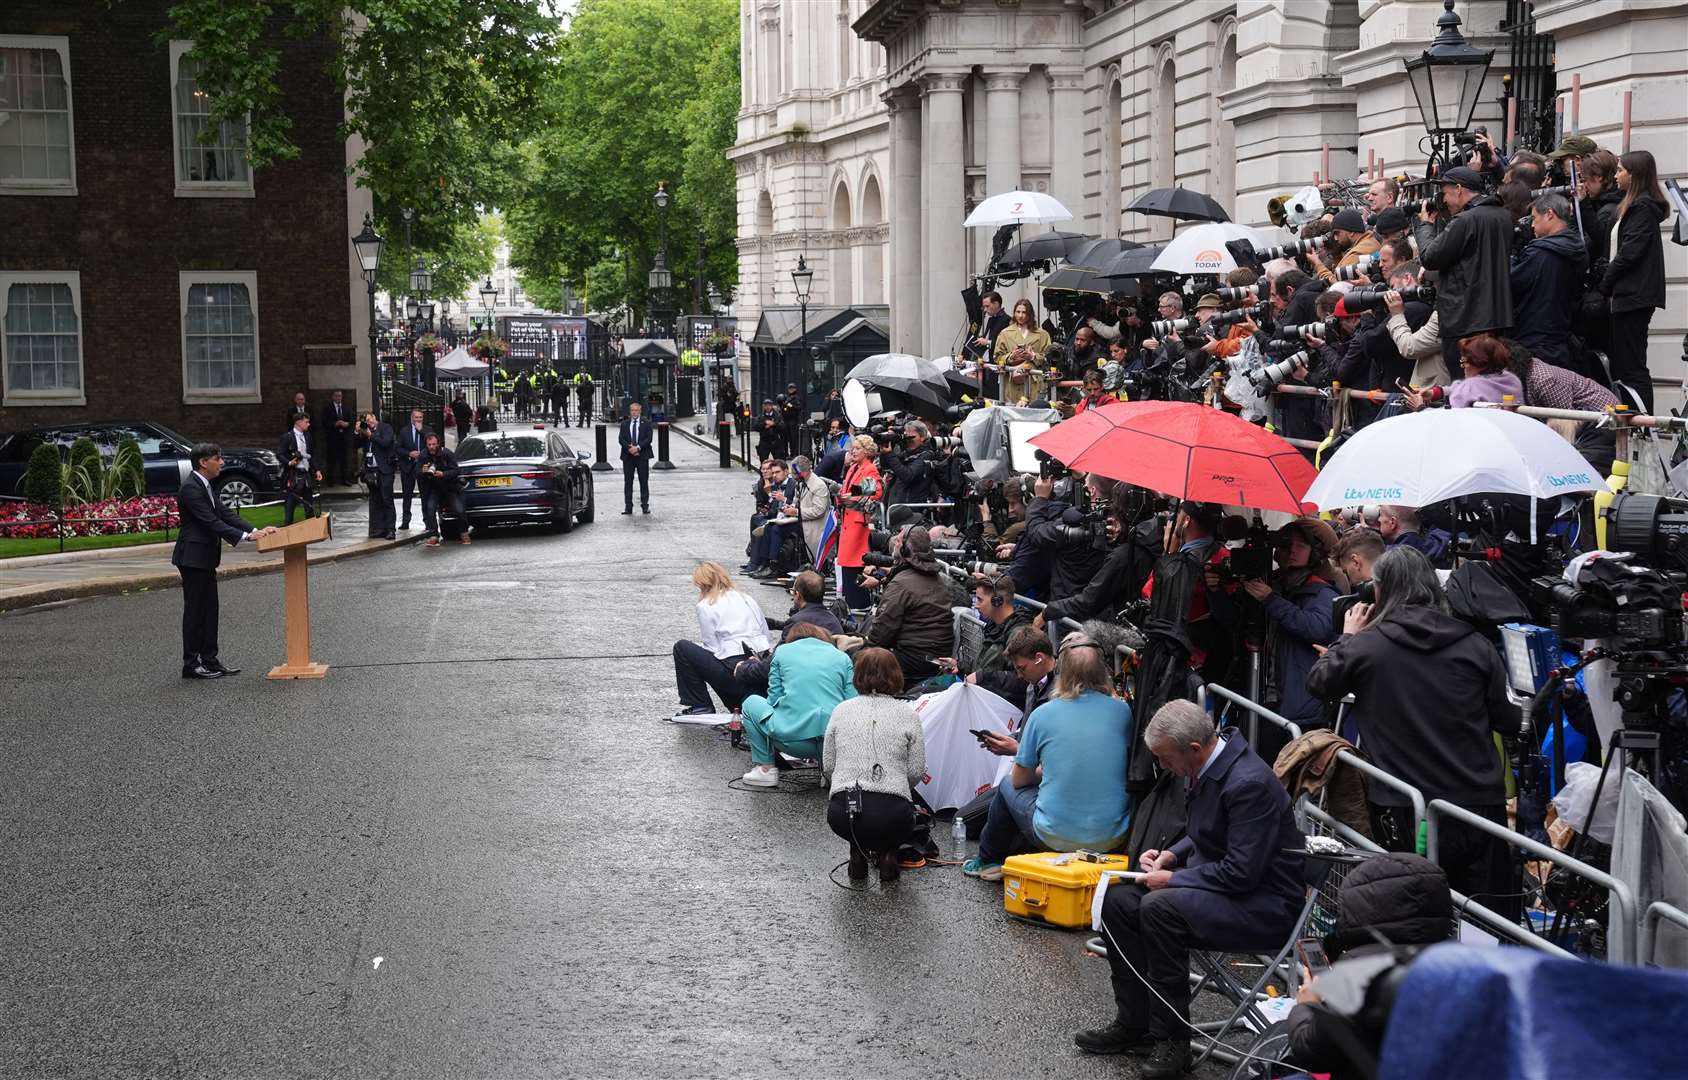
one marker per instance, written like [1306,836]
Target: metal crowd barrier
[1623,897]
[1656,911]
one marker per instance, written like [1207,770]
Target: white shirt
[1218,748]
[731,623]
[304,452]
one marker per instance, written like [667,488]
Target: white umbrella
[1017,208]
[1201,250]
[1420,458]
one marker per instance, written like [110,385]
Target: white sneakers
[762,776]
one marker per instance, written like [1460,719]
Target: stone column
[907,297]
[1002,110]
[944,187]
[1066,155]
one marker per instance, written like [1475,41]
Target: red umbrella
[1184,449]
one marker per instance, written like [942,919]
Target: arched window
[873,255]
[1163,125]
[1224,141]
[843,255]
[1112,139]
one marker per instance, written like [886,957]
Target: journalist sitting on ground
[874,750]
[1233,883]
[1429,698]
[912,618]
[993,599]
[808,677]
[733,627]
[1026,685]
[1066,788]
[808,596]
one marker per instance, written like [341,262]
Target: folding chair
[968,635]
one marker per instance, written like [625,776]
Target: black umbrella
[1131,263]
[1098,253]
[1079,279]
[1043,248]
[1180,203]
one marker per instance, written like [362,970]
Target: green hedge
[43,482]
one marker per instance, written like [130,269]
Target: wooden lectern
[291,542]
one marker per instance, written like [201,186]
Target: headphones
[995,586]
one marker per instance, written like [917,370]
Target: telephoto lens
[1368,266]
[1306,331]
[1295,248]
[1167,327]
[1372,296]
[1240,293]
[1265,378]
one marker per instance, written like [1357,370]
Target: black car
[249,474]
[522,475]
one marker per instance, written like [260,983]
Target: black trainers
[1170,1058]
[1116,1038]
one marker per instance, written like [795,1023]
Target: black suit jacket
[325,422]
[407,441]
[286,447]
[205,521]
[293,412]
[647,427]
[383,442]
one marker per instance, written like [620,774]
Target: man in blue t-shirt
[1066,789]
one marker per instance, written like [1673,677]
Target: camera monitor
[1022,455]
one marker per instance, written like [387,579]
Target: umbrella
[1078,279]
[1416,459]
[1180,203]
[912,376]
[1043,248]
[1201,250]
[1098,253]
[1132,263]
[1017,208]
[1183,449]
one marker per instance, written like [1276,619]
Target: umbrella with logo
[1184,449]
[1416,459]
[1017,208]
[1181,204]
[1201,250]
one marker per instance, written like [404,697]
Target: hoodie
[1547,286]
[1430,692]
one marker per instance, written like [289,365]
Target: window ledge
[15,400]
[214,191]
[237,397]
[31,189]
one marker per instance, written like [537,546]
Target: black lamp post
[368,244]
[802,278]
[489,298]
[1447,79]
[661,279]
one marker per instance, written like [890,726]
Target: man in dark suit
[334,432]
[299,408]
[1229,884]
[297,451]
[412,443]
[635,439]
[205,524]
[378,447]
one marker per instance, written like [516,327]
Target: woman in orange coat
[862,488]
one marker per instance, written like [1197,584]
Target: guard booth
[647,374]
[838,337]
[714,338]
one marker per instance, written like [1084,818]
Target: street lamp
[802,278]
[421,278]
[661,279]
[411,309]
[1447,79]
[368,244]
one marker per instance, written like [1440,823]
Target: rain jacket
[1547,280]
[1308,766]
[1635,276]
[1473,292]
[1429,694]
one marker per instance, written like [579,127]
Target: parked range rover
[249,474]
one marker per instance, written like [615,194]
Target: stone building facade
[869,131]
[147,275]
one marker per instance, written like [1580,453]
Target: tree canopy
[644,91]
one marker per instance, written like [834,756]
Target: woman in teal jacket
[809,676]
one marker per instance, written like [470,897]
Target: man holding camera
[1547,279]
[441,484]
[770,432]
[912,618]
[911,466]
[1351,240]
[297,452]
[1471,257]
[377,448]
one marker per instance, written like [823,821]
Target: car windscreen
[492,447]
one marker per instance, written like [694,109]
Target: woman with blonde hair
[861,490]
[733,627]
[1020,348]
[1066,790]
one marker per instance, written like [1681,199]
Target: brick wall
[129,235]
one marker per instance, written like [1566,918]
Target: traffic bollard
[724,431]
[662,461]
[603,462]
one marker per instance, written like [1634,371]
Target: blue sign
[1373,494]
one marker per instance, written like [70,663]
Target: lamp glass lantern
[802,279]
[410,308]
[368,244]
[660,277]
[662,195]
[1447,78]
[421,278]
[489,294]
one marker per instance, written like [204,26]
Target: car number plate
[493,481]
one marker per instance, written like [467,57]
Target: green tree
[645,91]
[43,480]
[458,255]
[442,93]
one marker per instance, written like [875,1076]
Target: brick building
[145,273]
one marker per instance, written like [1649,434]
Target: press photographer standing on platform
[297,451]
[1470,256]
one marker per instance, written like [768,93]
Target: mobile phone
[979,733]
[1312,954]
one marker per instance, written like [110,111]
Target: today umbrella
[1181,204]
[1201,250]
[1416,459]
[1184,449]
[1017,208]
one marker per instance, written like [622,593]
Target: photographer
[1470,257]
[1293,295]
[1033,556]
[1086,350]
[1547,280]
[794,414]
[1414,331]
[297,450]
[770,432]
[1356,552]
[1075,538]
[377,448]
[1125,568]
[1297,601]
[1351,242]
[1430,695]
[912,618]
[1009,529]
[1401,525]
[910,467]
[1155,352]
[438,473]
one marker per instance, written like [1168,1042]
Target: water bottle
[958,836]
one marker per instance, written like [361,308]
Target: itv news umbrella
[1183,449]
